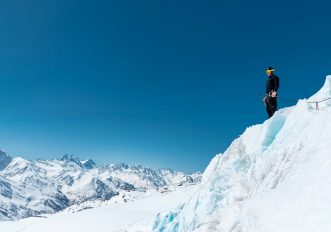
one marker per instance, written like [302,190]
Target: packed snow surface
[276,177]
[107,216]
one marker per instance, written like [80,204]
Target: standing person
[272,86]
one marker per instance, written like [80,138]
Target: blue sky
[160,83]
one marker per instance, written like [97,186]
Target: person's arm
[276,86]
[276,83]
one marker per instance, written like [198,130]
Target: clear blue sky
[160,83]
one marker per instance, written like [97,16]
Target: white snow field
[276,177]
[108,216]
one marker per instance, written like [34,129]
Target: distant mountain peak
[71,158]
[88,164]
[4,160]
[68,157]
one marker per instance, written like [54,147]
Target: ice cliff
[276,177]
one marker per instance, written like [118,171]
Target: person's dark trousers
[271,104]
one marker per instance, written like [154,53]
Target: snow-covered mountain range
[31,188]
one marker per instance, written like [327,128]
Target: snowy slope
[276,177]
[110,216]
[31,192]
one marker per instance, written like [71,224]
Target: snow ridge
[274,177]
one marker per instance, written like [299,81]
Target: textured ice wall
[282,165]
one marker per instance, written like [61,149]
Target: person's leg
[273,106]
[268,107]
[276,104]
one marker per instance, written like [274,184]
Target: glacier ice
[275,177]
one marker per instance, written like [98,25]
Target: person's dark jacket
[272,84]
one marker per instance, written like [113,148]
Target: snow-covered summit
[274,177]
[4,160]
[73,159]
[89,164]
